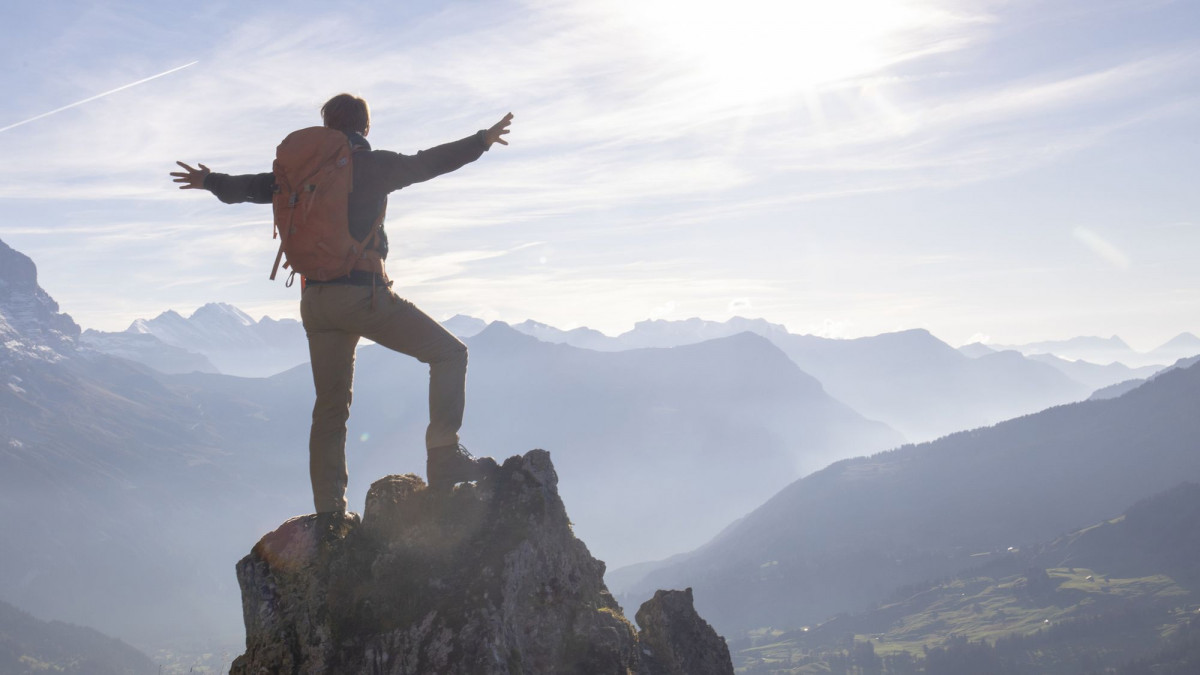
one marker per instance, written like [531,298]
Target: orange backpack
[314,174]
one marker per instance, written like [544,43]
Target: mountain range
[153,482]
[217,337]
[220,338]
[655,428]
[909,380]
[671,333]
[1094,375]
[848,535]
[1110,350]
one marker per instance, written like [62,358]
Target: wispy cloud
[603,116]
[1110,252]
[97,96]
[632,138]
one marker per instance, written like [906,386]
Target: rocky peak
[486,578]
[30,323]
[676,641]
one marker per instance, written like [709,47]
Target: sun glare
[757,50]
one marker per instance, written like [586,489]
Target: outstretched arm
[253,187]
[397,171]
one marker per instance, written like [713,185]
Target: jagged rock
[487,578]
[676,641]
[30,323]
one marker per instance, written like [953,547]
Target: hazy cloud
[1101,247]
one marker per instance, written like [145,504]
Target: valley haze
[664,438]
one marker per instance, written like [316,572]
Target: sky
[998,170]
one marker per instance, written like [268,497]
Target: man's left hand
[498,130]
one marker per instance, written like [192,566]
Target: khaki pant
[335,317]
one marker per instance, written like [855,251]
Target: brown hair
[346,113]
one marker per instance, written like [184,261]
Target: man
[337,312]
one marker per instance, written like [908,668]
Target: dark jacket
[376,173]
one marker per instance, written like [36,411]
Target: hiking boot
[451,464]
[330,525]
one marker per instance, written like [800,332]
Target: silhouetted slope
[1121,388]
[124,486]
[1089,348]
[28,645]
[845,536]
[909,380]
[1120,592]
[147,350]
[923,387]
[694,436]
[1181,346]
[129,486]
[1094,375]
[1157,535]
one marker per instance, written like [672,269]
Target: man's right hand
[192,179]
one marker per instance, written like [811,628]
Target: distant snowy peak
[221,314]
[30,324]
[215,325]
[586,338]
[464,326]
[650,333]
[168,322]
[227,338]
[668,333]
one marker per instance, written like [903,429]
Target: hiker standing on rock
[329,190]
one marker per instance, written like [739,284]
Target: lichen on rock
[485,578]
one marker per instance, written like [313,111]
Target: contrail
[93,98]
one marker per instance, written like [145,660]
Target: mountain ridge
[216,337]
[1120,592]
[152,481]
[980,490]
[28,644]
[31,325]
